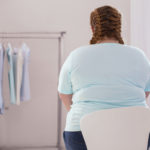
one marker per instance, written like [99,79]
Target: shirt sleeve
[147,87]
[64,81]
[147,62]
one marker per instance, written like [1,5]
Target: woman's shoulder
[133,48]
[79,49]
[139,52]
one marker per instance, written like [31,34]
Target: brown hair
[106,21]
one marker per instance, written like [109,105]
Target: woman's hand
[146,95]
[66,99]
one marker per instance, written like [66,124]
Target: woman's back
[103,76]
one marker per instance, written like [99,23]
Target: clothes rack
[43,35]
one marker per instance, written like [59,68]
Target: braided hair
[106,22]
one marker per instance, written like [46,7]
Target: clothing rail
[32,35]
[43,35]
[43,32]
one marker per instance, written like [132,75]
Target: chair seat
[125,128]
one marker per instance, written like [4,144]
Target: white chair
[125,128]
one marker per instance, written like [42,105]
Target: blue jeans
[74,140]
[148,145]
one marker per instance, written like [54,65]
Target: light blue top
[25,84]
[103,76]
[14,59]
[1,78]
[11,74]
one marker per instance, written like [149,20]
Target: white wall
[48,15]
[140,24]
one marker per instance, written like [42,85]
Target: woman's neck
[108,41]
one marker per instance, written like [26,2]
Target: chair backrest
[125,128]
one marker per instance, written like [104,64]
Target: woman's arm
[146,95]
[66,99]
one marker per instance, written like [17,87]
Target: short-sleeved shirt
[103,76]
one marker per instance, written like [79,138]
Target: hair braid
[106,22]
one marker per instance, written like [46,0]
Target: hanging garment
[11,74]
[25,85]
[18,64]
[5,81]
[1,78]
[14,58]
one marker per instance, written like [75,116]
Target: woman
[105,74]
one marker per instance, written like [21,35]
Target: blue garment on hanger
[14,58]
[1,78]
[18,69]
[11,75]
[25,85]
